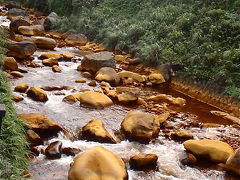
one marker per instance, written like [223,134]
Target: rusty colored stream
[72,117]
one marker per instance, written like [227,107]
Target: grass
[13,143]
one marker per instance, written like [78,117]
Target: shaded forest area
[203,35]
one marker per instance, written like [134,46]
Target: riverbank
[202,36]
[13,161]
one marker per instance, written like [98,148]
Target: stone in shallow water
[142,127]
[54,150]
[35,30]
[215,150]
[21,88]
[139,162]
[10,63]
[95,131]
[108,74]
[95,61]
[233,162]
[98,163]
[37,94]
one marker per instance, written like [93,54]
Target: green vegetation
[12,137]
[202,35]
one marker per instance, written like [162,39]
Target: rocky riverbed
[87,107]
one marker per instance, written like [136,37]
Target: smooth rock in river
[54,150]
[130,96]
[17,22]
[95,99]
[17,98]
[76,40]
[98,163]
[34,138]
[67,56]
[169,99]
[50,55]
[34,30]
[131,75]
[181,135]
[96,131]
[80,80]
[108,74]
[22,50]
[16,74]
[72,98]
[40,123]
[215,150]
[233,162]
[44,42]
[95,61]
[50,62]
[37,94]
[21,88]
[10,63]
[141,126]
[148,161]
[56,68]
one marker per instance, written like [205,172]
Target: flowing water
[73,116]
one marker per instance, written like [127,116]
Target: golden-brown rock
[40,123]
[95,131]
[56,68]
[156,78]
[73,98]
[95,99]
[215,150]
[16,74]
[141,126]
[21,88]
[35,30]
[80,80]
[169,99]
[98,163]
[132,75]
[37,94]
[50,62]
[140,162]
[50,55]
[10,63]
[233,162]
[17,98]
[108,74]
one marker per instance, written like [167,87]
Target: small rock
[181,135]
[79,68]
[76,40]
[139,162]
[21,88]
[73,98]
[233,162]
[54,150]
[86,74]
[169,99]
[50,55]
[34,138]
[10,63]
[67,56]
[156,78]
[92,83]
[189,160]
[81,80]
[44,42]
[108,74]
[50,62]
[16,74]
[132,75]
[56,68]
[17,98]
[37,94]
[95,131]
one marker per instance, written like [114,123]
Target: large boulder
[215,150]
[34,30]
[50,20]
[10,63]
[21,50]
[95,131]
[233,162]
[95,99]
[168,98]
[98,163]
[76,40]
[17,12]
[17,22]
[40,123]
[141,126]
[108,74]
[44,42]
[128,74]
[95,61]
[37,94]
